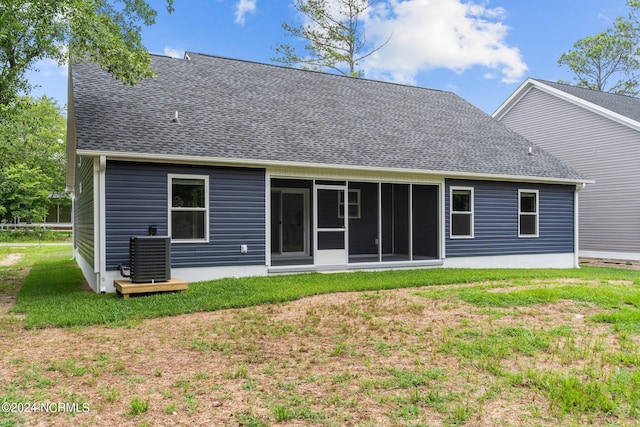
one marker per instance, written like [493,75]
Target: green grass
[138,406]
[34,235]
[451,355]
[596,289]
[52,294]
[34,254]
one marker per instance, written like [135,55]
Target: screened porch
[338,223]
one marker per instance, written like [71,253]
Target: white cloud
[173,53]
[243,7]
[430,34]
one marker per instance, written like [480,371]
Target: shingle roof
[234,109]
[627,106]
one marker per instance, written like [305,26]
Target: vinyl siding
[136,197]
[84,211]
[602,149]
[496,220]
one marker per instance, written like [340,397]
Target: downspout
[96,222]
[102,224]
[576,226]
[73,225]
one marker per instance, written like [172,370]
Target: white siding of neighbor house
[600,148]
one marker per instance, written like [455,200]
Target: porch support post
[410,222]
[315,222]
[442,220]
[267,219]
[379,221]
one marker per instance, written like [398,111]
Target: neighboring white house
[598,134]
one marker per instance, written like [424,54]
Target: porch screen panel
[328,210]
[401,221]
[329,219]
[275,221]
[425,222]
[292,222]
[330,240]
[363,229]
[387,218]
[395,222]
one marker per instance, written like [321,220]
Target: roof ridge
[587,89]
[364,79]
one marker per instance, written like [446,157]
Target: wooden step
[124,287]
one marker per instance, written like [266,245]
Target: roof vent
[530,148]
[187,57]
[175,118]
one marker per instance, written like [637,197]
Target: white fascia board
[220,161]
[525,87]
[513,99]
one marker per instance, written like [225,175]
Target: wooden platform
[125,288]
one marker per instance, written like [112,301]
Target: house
[254,169]
[598,134]
[58,216]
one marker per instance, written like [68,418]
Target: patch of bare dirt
[12,281]
[336,359]
[11,259]
[614,263]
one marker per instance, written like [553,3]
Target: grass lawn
[52,295]
[407,348]
[34,235]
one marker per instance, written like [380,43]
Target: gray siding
[603,150]
[496,220]
[84,211]
[136,197]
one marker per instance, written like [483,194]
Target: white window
[461,216]
[527,213]
[189,208]
[354,204]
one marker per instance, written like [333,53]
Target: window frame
[470,213]
[357,204]
[171,208]
[535,214]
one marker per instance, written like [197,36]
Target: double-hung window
[189,208]
[353,204]
[461,219]
[527,213]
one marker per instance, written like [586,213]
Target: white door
[331,242]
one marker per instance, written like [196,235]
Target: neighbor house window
[189,208]
[353,203]
[461,224]
[528,213]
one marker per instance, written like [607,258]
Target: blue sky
[480,49]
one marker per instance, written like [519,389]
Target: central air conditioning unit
[149,259]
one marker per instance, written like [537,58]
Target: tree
[103,31]
[608,61]
[24,193]
[335,39]
[32,158]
